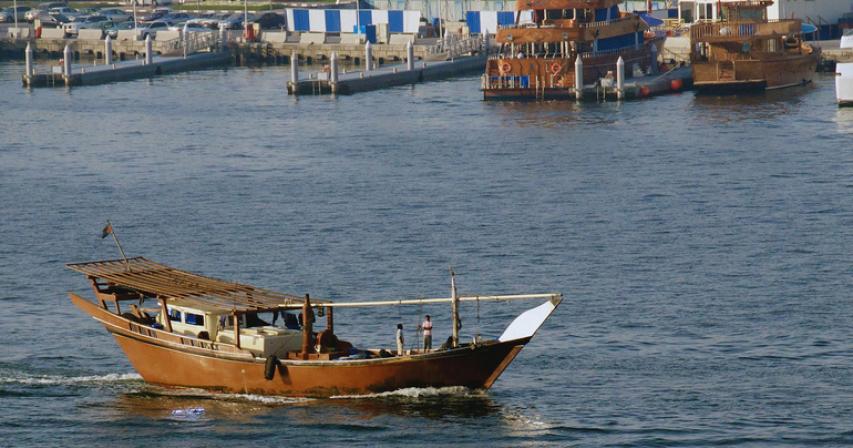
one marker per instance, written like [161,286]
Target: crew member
[399,339]
[427,327]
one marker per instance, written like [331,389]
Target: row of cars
[111,19]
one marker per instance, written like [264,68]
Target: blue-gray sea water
[703,246]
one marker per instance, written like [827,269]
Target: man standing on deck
[399,339]
[427,327]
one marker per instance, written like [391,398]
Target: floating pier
[69,74]
[472,59]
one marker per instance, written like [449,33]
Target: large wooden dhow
[542,59]
[209,333]
[747,52]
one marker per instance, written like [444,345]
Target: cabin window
[174,315]
[195,319]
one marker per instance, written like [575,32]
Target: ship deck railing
[738,30]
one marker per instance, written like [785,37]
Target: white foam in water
[413,392]
[51,380]
[265,399]
[188,413]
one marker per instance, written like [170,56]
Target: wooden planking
[156,279]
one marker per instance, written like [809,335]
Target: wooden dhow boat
[566,38]
[209,333]
[747,52]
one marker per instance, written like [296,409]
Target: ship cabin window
[174,315]
[194,319]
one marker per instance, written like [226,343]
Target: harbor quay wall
[321,53]
[242,52]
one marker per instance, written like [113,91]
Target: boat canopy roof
[526,5]
[159,280]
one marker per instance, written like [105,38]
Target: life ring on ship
[556,67]
[505,67]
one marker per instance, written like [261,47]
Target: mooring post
[578,78]
[620,78]
[28,67]
[333,72]
[185,39]
[486,42]
[148,50]
[108,51]
[410,56]
[294,71]
[66,64]
[653,68]
[368,56]
[221,37]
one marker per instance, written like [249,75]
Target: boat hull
[754,75]
[844,84]
[472,368]
[536,78]
[168,359]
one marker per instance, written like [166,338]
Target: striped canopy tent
[345,20]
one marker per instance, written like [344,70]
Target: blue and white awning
[344,20]
[489,21]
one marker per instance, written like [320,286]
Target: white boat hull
[844,84]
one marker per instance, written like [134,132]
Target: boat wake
[203,394]
[59,380]
[414,392]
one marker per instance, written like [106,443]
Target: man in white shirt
[399,339]
[427,327]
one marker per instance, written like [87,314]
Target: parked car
[151,28]
[234,21]
[116,14]
[191,27]
[88,22]
[33,14]
[71,13]
[8,14]
[151,16]
[52,21]
[271,21]
[114,28]
[177,17]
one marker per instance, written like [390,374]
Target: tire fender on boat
[270,367]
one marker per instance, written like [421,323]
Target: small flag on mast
[107,230]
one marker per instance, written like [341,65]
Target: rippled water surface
[703,245]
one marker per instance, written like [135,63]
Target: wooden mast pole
[307,327]
[167,321]
[454,309]
[236,318]
[115,238]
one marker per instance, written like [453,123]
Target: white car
[88,22]
[71,13]
[116,14]
[192,27]
[150,29]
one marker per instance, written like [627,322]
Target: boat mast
[307,327]
[454,309]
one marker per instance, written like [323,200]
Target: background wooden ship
[748,52]
[209,333]
[538,59]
